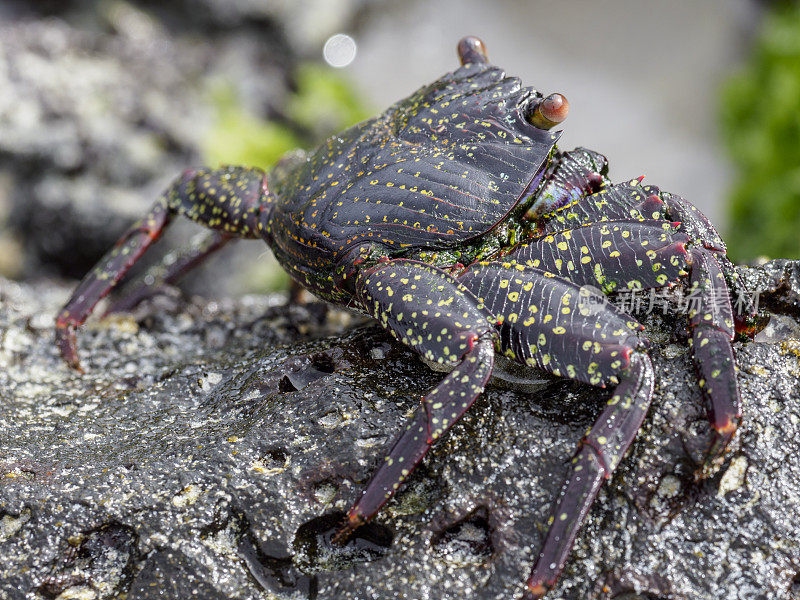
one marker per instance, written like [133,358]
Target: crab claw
[471,49]
[549,112]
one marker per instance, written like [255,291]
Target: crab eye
[548,112]
[471,49]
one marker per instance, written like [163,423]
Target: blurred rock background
[103,102]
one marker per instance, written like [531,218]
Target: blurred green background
[323,103]
[760,122]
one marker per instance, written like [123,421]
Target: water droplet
[339,50]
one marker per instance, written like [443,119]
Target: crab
[455,221]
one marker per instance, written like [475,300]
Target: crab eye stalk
[549,112]
[471,49]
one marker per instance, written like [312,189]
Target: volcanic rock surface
[211,448]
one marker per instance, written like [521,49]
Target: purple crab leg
[694,222]
[546,322]
[227,199]
[549,322]
[172,268]
[611,255]
[111,268]
[619,254]
[621,201]
[428,310]
[711,322]
[699,228]
[599,452]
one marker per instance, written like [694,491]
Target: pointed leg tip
[727,429]
[70,357]
[67,346]
[722,437]
[535,591]
[353,521]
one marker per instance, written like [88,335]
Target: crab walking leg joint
[227,200]
[456,222]
[173,267]
[432,313]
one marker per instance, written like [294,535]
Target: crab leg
[171,269]
[226,199]
[432,313]
[614,255]
[111,268]
[628,200]
[693,222]
[547,323]
[711,319]
[599,452]
[711,322]
[611,255]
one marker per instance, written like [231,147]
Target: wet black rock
[780,280]
[219,465]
